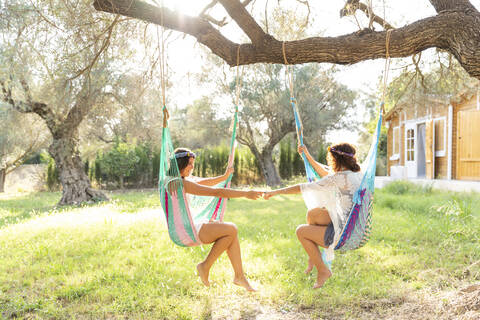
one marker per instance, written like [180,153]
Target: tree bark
[456,29]
[120,182]
[75,183]
[2,179]
[269,170]
[267,167]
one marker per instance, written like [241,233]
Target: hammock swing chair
[183,211]
[358,226]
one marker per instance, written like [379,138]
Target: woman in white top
[328,201]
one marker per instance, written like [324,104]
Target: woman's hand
[254,195]
[267,195]
[302,149]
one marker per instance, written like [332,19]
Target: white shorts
[198,225]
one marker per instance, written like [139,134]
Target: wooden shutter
[429,153]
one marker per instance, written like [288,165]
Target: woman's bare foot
[242,282]
[203,274]
[310,267]
[322,276]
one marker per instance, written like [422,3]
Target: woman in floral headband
[328,202]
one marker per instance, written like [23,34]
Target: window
[395,144]
[410,145]
[440,136]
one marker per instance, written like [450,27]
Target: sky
[185,57]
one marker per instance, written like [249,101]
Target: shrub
[119,162]
[53,182]
[455,207]
[399,187]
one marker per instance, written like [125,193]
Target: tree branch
[365,9]
[10,166]
[203,31]
[104,46]
[203,14]
[22,106]
[442,5]
[208,7]
[427,33]
[245,21]
[219,23]
[83,105]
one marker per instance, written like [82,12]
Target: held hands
[254,195]
[268,194]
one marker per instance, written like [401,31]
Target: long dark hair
[342,155]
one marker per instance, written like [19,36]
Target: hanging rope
[238,87]
[289,72]
[387,68]
[237,80]
[161,53]
[311,173]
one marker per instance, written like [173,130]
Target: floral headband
[185,154]
[332,149]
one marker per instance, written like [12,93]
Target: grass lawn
[114,260]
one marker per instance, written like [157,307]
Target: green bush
[455,207]
[406,187]
[126,165]
[53,182]
[119,163]
[400,187]
[39,157]
[213,162]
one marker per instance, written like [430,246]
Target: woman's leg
[317,216]
[225,238]
[311,237]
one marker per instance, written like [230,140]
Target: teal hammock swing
[183,211]
[356,231]
[358,226]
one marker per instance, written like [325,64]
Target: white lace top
[335,193]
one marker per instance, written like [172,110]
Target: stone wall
[28,177]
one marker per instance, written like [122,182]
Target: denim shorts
[329,235]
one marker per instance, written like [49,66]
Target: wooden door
[429,150]
[468,145]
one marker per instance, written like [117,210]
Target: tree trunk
[268,169]
[75,183]
[2,179]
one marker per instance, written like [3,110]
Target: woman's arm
[317,166]
[216,180]
[288,190]
[199,190]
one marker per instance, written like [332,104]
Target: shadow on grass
[16,209]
